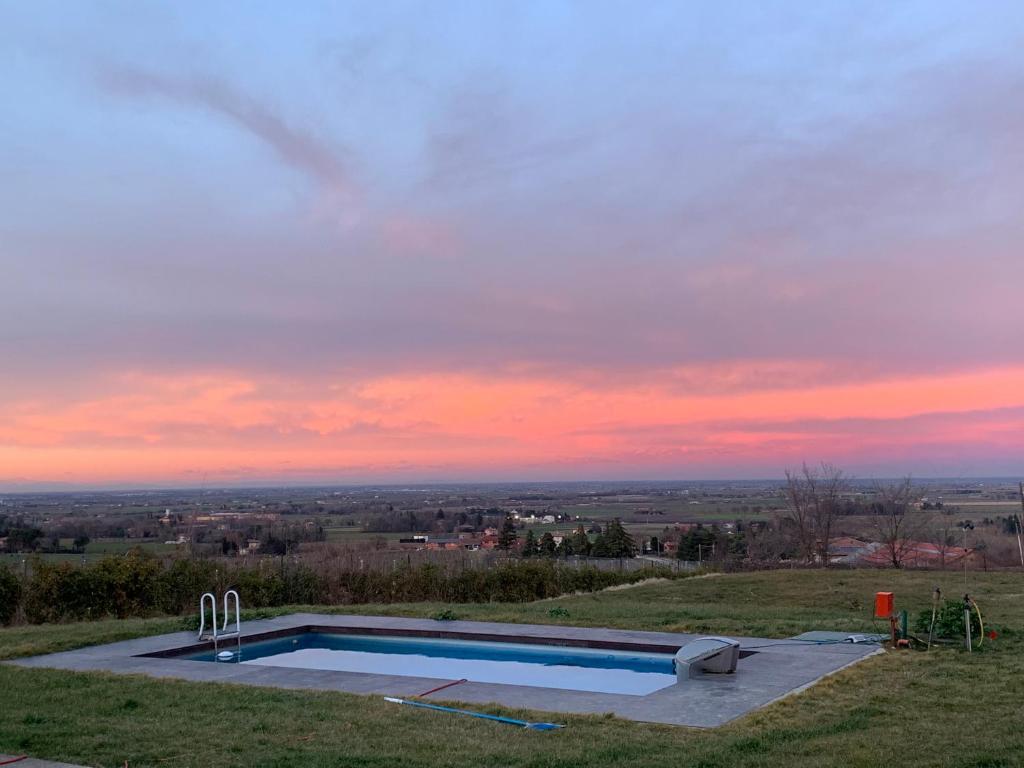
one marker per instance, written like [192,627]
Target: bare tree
[943,536]
[895,523]
[765,543]
[813,496]
[798,515]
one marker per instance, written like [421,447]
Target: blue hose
[481,715]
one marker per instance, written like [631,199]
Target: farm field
[940,708]
[674,510]
[980,509]
[94,550]
[343,534]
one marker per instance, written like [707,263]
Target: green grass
[33,640]
[943,708]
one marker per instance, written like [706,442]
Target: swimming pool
[548,666]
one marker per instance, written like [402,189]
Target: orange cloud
[145,428]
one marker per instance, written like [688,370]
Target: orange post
[883,605]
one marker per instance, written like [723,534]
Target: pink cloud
[477,427]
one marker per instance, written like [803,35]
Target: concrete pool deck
[773,669]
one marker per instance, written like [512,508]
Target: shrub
[949,621]
[139,585]
[10,594]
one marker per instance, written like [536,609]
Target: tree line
[613,541]
[139,584]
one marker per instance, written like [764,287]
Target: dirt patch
[614,588]
[642,583]
[619,587]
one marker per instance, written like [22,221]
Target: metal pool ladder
[224,632]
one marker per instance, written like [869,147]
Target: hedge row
[140,585]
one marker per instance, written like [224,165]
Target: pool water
[548,666]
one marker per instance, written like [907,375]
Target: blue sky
[593,194]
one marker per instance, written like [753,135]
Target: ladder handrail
[202,614]
[238,613]
[221,631]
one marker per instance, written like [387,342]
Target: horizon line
[391,485]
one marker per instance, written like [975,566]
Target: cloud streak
[296,148]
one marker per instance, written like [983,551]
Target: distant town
[746,524]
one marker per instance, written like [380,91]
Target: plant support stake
[967,622]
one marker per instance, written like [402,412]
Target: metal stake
[967,622]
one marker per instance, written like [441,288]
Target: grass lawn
[942,708]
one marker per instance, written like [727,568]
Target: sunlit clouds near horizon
[401,241]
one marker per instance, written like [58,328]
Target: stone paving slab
[31,762]
[773,669]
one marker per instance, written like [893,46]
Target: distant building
[214,517]
[916,554]
[252,546]
[414,539]
[846,549]
[451,543]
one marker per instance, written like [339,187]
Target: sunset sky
[443,241]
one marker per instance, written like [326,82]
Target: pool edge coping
[709,702]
